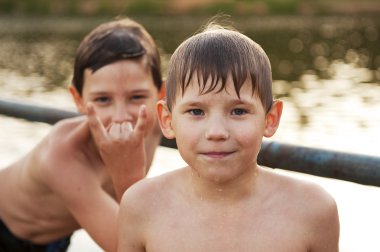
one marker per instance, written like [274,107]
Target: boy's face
[218,134]
[117,91]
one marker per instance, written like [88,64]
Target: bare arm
[326,235]
[96,212]
[74,171]
[130,224]
[121,148]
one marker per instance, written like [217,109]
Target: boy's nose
[217,131]
[122,114]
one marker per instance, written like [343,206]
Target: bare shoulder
[66,155]
[50,153]
[70,129]
[149,192]
[301,191]
[66,140]
[308,200]
[312,206]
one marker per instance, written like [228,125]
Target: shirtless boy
[65,182]
[218,107]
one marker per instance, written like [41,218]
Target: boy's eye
[102,99]
[196,112]
[138,97]
[239,111]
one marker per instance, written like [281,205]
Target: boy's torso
[32,214]
[265,223]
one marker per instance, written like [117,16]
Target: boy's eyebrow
[237,101]
[98,92]
[193,103]
[241,101]
[107,91]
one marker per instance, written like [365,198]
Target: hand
[121,148]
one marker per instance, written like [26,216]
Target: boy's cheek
[106,121]
[104,115]
[152,121]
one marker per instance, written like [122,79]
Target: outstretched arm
[73,170]
[121,148]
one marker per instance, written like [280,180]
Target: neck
[235,189]
[151,143]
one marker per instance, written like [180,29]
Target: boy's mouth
[217,154]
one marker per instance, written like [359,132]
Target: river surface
[326,70]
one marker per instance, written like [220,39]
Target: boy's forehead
[140,61]
[139,64]
[224,97]
[203,86]
[129,71]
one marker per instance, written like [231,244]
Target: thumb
[141,122]
[96,126]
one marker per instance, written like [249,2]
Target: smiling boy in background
[75,176]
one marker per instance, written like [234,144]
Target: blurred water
[326,70]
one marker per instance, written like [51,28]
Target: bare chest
[227,230]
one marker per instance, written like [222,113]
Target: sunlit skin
[219,134]
[223,201]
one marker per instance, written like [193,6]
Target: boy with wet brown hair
[75,176]
[219,106]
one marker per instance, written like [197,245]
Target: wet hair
[214,54]
[114,41]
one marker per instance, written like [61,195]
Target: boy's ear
[165,119]
[77,99]
[272,118]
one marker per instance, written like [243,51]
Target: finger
[96,126]
[141,122]
[126,130]
[126,127]
[115,130]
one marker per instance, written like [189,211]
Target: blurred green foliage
[185,7]
[147,7]
[283,6]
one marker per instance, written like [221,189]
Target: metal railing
[362,169]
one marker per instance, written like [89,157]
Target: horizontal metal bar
[362,169]
[33,112]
